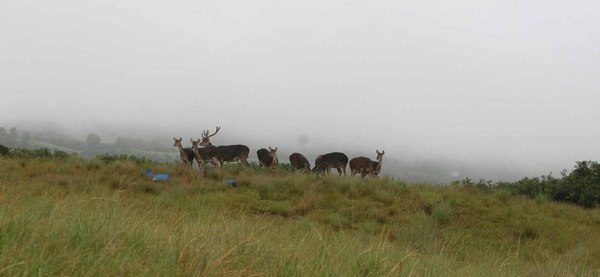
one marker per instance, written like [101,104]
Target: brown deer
[325,162]
[377,164]
[267,158]
[226,153]
[186,154]
[299,162]
[366,166]
[204,154]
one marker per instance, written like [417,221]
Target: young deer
[299,162]
[267,158]
[364,165]
[377,164]
[226,153]
[204,154]
[186,154]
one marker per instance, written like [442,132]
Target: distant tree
[93,140]
[25,139]
[128,143]
[582,185]
[3,150]
[3,135]
[13,138]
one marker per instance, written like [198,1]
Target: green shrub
[4,150]
[580,186]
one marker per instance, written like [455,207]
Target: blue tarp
[148,172]
[161,177]
[156,177]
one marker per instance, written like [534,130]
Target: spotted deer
[377,164]
[226,153]
[366,166]
[324,163]
[267,158]
[299,162]
[186,154]
[204,154]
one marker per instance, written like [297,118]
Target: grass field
[79,217]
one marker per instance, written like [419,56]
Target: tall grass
[76,217]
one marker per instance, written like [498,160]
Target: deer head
[379,155]
[177,142]
[273,153]
[206,137]
[194,143]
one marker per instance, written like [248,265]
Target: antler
[206,135]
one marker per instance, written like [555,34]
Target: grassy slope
[83,217]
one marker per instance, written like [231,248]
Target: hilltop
[103,217]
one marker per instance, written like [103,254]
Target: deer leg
[244,160]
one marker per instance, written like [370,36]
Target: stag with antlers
[226,153]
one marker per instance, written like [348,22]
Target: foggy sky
[514,82]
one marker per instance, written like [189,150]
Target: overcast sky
[511,81]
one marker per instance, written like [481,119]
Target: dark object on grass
[148,173]
[232,182]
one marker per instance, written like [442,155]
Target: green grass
[79,217]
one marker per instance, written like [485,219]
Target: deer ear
[174,139]
[377,151]
[179,138]
[382,152]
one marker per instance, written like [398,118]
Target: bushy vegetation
[90,147]
[580,186]
[25,153]
[104,217]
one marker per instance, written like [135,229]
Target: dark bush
[4,150]
[581,186]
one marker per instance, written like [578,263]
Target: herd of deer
[217,155]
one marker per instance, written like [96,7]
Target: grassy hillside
[78,217]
